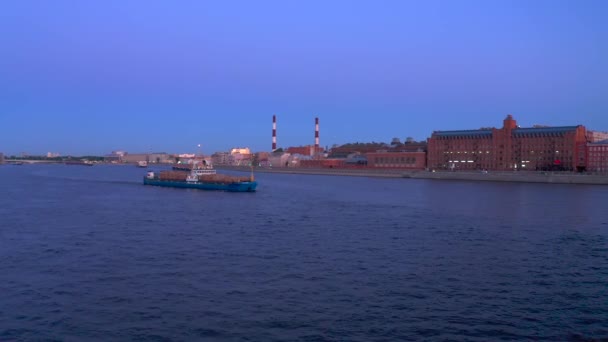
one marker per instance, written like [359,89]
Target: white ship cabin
[202,168]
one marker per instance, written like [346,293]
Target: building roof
[545,130]
[517,131]
[464,133]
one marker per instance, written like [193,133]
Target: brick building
[509,148]
[322,163]
[347,149]
[309,150]
[409,147]
[597,156]
[364,148]
[401,160]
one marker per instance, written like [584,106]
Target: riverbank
[522,177]
[319,171]
[27,161]
[498,176]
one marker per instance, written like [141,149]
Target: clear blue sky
[89,77]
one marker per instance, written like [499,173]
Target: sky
[90,77]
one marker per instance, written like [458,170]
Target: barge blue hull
[234,187]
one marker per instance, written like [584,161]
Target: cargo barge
[200,180]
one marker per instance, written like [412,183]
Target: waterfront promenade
[493,176]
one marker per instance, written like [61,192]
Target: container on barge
[192,180]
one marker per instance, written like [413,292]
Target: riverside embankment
[498,176]
[522,176]
[320,171]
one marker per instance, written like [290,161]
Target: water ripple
[91,254]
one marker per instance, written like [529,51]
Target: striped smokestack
[274,132]
[316,134]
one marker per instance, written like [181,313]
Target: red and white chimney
[316,134]
[274,132]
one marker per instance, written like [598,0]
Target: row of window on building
[394,160]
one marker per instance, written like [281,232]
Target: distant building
[135,157]
[261,159]
[308,150]
[244,150]
[111,158]
[410,146]
[344,150]
[52,155]
[279,159]
[114,157]
[322,163]
[1,158]
[160,158]
[221,158]
[241,156]
[596,136]
[262,156]
[597,156]
[364,148]
[397,160]
[356,159]
[509,148]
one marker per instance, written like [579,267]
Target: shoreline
[492,176]
[495,176]
[387,173]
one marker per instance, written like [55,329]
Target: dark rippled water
[88,253]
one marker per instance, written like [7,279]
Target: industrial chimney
[316,134]
[274,132]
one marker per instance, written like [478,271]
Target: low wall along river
[497,176]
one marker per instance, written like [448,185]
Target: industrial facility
[511,147]
[508,148]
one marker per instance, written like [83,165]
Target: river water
[91,254]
